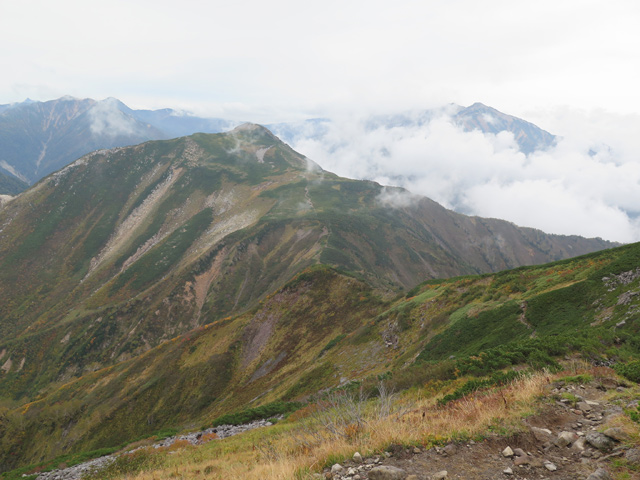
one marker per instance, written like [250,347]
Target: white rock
[507,452]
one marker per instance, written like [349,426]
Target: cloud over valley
[588,183]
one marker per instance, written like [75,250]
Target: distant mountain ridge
[489,120]
[38,138]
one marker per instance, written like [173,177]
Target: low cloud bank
[587,184]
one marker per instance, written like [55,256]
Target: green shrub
[630,371]
[497,379]
[258,413]
[331,344]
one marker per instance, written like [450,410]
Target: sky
[571,67]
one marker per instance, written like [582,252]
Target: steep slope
[128,248]
[140,244]
[324,329]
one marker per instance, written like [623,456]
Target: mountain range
[38,138]
[128,256]
[154,278]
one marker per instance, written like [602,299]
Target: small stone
[599,441]
[550,466]
[357,458]
[337,469]
[599,474]
[450,449]
[633,456]
[440,475]
[565,439]
[518,452]
[584,406]
[387,472]
[416,450]
[507,452]
[617,434]
[542,434]
[580,444]
[351,471]
[507,471]
[521,461]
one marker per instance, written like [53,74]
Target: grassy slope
[325,328]
[131,247]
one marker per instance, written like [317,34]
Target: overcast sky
[572,67]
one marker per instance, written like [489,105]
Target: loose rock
[337,469]
[542,434]
[565,439]
[599,441]
[518,452]
[633,456]
[440,475]
[387,472]
[600,474]
[507,452]
[617,434]
[450,449]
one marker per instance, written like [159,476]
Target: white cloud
[585,185]
[107,120]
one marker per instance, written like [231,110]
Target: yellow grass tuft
[326,433]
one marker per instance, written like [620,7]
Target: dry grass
[336,429]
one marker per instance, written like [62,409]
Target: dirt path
[573,412]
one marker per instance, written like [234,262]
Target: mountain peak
[251,127]
[487,119]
